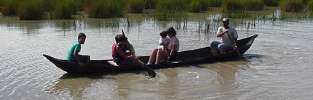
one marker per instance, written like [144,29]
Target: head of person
[120,38]
[81,38]
[163,34]
[225,22]
[171,32]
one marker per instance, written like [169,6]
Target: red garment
[114,50]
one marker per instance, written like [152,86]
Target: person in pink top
[173,46]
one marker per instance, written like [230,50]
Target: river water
[277,67]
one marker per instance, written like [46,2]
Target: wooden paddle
[150,71]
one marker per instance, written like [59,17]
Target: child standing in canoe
[73,54]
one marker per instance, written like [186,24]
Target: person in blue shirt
[73,54]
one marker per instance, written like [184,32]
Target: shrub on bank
[271,3]
[172,6]
[135,6]
[310,6]
[292,5]
[232,5]
[243,5]
[150,4]
[199,5]
[31,10]
[215,3]
[64,9]
[253,5]
[106,8]
[10,7]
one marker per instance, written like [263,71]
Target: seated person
[173,46]
[228,37]
[73,54]
[122,52]
[160,54]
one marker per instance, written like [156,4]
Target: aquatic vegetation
[106,8]
[31,10]
[292,5]
[136,6]
[64,9]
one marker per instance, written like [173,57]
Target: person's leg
[215,44]
[161,56]
[152,57]
[225,48]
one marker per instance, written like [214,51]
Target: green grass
[292,5]
[31,10]
[136,6]
[106,8]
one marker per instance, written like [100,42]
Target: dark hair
[163,33]
[80,35]
[120,37]
[172,31]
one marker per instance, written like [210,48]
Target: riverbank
[163,9]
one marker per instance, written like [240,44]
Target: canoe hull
[202,55]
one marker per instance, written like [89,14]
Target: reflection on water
[277,66]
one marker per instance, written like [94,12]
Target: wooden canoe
[202,55]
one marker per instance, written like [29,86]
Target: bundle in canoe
[196,56]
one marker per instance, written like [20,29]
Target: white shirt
[230,37]
[164,42]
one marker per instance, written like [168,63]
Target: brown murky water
[277,67]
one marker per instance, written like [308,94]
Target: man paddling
[123,54]
[228,37]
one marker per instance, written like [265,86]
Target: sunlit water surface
[278,66]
